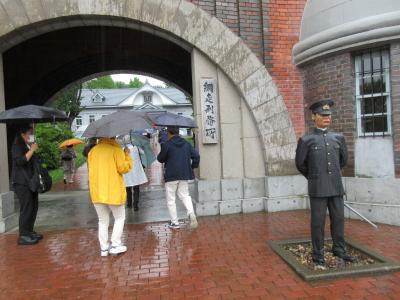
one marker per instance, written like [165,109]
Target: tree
[135,83]
[120,85]
[69,101]
[103,82]
[49,136]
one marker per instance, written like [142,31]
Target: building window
[78,120]
[91,119]
[148,97]
[98,98]
[373,93]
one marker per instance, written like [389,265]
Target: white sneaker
[173,225]
[115,250]
[104,253]
[193,221]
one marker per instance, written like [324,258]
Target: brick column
[395,97]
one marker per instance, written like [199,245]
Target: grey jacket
[320,156]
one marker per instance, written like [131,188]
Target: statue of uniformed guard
[320,157]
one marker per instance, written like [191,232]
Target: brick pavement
[225,258]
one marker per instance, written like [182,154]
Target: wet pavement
[225,258]
[73,209]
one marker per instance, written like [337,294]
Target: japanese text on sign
[209,110]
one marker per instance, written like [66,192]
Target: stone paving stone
[225,258]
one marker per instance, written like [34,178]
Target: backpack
[67,155]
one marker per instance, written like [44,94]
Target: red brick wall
[284,27]
[333,77]
[270,28]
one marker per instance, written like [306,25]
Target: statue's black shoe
[345,257]
[36,235]
[319,261]
[27,240]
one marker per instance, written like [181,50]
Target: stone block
[15,12]
[377,214]
[8,223]
[229,100]
[253,187]
[7,204]
[193,20]
[282,168]
[376,190]
[231,189]
[5,22]
[207,208]
[34,10]
[150,10]
[240,62]
[59,8]
[134,9]
[166,15]
[221,47]
[254,164]
[258,88]
[230,207]
[278,137]
[285,203]
[252,205]
[210,36]
[208,190]
[231,146]
[281,153]
[281,186]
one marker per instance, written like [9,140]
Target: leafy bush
[49,136]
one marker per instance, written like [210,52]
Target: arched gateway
[184,45]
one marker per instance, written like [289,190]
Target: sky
[126,77]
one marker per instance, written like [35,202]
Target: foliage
[103,82]
[106,82]
[48,137]
[69,101]
[135,83]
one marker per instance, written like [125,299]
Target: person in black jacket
[23,160]
[180,159]
[320,157]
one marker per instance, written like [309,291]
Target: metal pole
[359,214]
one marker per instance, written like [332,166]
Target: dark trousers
[29,204]
[134,195]
[335,206]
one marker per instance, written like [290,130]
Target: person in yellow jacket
[107,162]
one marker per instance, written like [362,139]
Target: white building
[101,102]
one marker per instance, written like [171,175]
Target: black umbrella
[32,114]
[170,119]
[118,123]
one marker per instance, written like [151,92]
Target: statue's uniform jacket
[320,156]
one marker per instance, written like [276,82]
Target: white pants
[103,212]
[181,187]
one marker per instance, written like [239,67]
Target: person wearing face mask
[320,157]
[23,164]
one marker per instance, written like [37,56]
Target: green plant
[48,137]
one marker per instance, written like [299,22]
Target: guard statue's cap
[322,107]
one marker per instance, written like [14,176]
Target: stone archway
[189,27]
[180,21]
